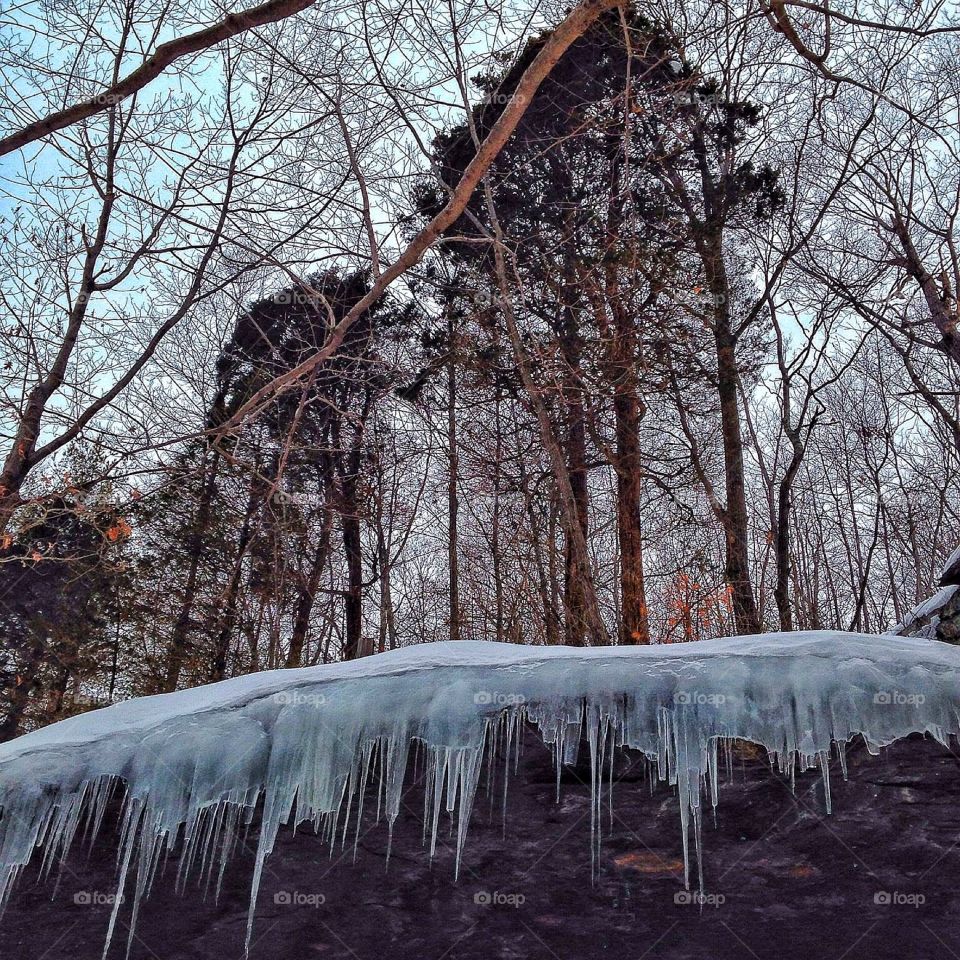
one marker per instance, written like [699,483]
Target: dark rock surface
[875,880]
[948,624]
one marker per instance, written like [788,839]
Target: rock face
[948,622]
[876,879]
[938,617]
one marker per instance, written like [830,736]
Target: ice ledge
[147,712]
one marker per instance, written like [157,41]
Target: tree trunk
[551,618]
[496,555]
[177,649]
[453,501]
[231,600]
[20,688]
[735,518]
[353,550]
[576,454]
[570,512]
[781,590]
[634,621]
[628,412]
[737,569]
[307,594]
[388,623]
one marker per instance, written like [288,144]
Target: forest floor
[876,879]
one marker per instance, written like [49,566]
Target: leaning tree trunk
[572,515]
[570,511]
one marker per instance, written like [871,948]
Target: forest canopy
[330,329]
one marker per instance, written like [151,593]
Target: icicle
[596,760]
[302,746]
[824,758]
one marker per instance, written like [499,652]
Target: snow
[927,610]
[307,743]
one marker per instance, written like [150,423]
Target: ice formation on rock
[306,744]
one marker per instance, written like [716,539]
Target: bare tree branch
[150,69]
[570,28]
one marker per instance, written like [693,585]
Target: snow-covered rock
[308,744]
[937,617]
[929,618]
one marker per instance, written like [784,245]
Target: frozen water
[194,765]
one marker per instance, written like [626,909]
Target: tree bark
[735,519]
[576,454]
[231,600]
[943,317]
[634,619]
[628,413]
